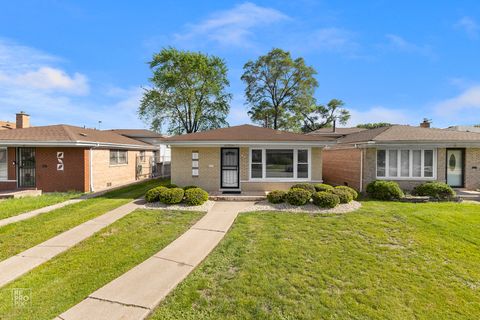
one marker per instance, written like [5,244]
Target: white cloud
[379,114]
[468,100]
[469,26]
[332,39]
[398,43]
[232,27]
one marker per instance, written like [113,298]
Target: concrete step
[20,194]
[237,197]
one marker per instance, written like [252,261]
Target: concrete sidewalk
[18,265]
[137,292]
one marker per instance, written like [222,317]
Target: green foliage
[188,92]
[171,196]
[189,187]
[352,191]
[195,196]
[277,88]
[306,186]
[323,187]
[374,125]
[344,195]
[298,196]
[384,190]
[325,199]
[276,196]
[435,190]
[171,185]
[320,116]
[153,194]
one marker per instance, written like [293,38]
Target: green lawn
[13,207]
[17,237]
[384,261]
[70,277]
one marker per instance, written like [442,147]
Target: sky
[390,61]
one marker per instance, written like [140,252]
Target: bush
[276,196]
[171,185]
[189,187]
[344,195]
[325,199]
[305,186]
[352,191]
[323,187]
[195,196]
[171,196]
[384,190]
[436,190]
[298,196]
[152,194]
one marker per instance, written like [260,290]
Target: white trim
[20,143]
[249,143]
[6,164]
[264,165]
[410,159]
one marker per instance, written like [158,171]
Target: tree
[188,92]
[374,125]
[278,88]
[320,116]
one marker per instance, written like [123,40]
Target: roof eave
[250,143]
[73,144]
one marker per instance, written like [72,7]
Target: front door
[455,167]
[230,172]
[26,167]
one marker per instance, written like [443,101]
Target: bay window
[279,164]
[406,163]
[3,164]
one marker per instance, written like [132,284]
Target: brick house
[246,158]
[408,155]
[63,158]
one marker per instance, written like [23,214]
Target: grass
[13,207]
[384,261]
[70,277]
[17,237]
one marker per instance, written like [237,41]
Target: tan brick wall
[472,175]
[209,167]
[342,167]
[317,164]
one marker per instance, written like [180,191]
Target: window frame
[410,162]
[264,164]
[6,164]
[117,152]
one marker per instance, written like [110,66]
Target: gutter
[90,169]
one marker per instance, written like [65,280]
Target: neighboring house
[405,154]
[63,158]
[465,128]
[22,121]
[246,158]
[336,132]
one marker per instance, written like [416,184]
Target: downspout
[90,165]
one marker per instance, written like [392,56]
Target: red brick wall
[73,177]
[342,167]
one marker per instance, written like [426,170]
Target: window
[118,157]
[407,164]
[195,164]
[3,164]
[142,156]
[279,164]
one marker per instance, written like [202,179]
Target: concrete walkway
[137,292]
[18,265]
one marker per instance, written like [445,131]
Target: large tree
[188,92]
[278,88]
[374,125]
[320,116]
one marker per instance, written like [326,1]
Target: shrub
[325,199]
[352,191]
[152,194]
[171,185]
[189,187]
[171,196]
[298,196]
[436,190]
[195,196]
[305,186]
[276,196]
[384,190]
[323,187]
[344,195]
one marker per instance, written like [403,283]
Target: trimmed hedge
[152,194]
[352,191]
[298,196]
[276,196]
[189,187]
[195,196]
[384,190]
[171,185]
[435,190]
[325,199]
[171,196]
[306,186]
[344,195]
[323,187]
